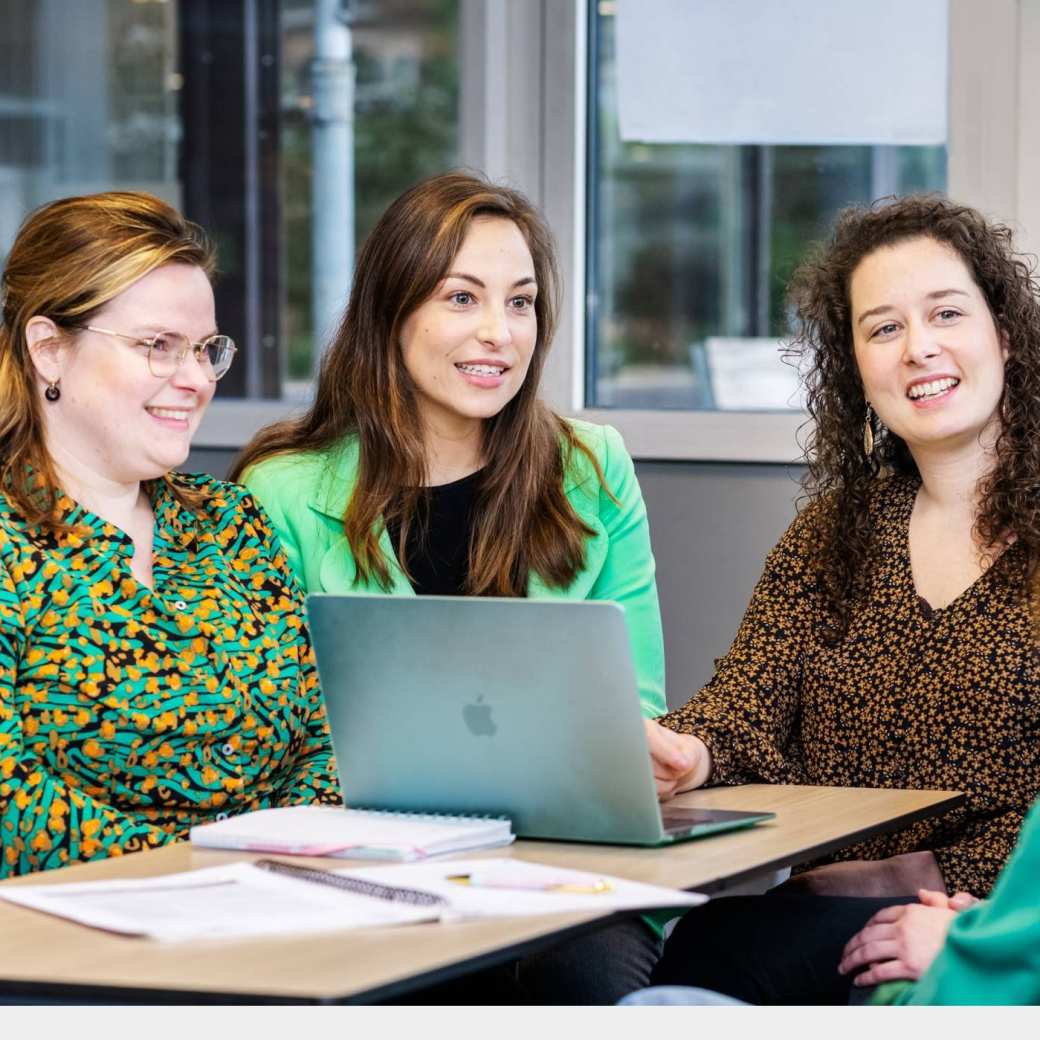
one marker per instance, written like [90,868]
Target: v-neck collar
[910,486]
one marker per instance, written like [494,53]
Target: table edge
[952,801]
[137,995]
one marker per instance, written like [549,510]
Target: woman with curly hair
[891,641]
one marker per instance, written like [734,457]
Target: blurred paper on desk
[519,888]
[241,901]
[231,902]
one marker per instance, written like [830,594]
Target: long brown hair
[523,521]
[840,474]
[69,259]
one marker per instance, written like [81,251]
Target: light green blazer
[306,495]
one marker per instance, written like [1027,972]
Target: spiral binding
[440,816]
[391,893]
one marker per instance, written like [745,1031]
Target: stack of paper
[241,900]
[235,901]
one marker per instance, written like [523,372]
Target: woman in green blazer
[427,463]
[306,495]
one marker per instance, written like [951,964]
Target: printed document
[241,900]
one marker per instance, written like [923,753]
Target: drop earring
[52,393]
[868,433]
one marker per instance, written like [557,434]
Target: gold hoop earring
[868,433]
[52,393]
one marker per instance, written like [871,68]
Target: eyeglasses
[166,351]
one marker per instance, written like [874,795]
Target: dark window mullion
[229,61]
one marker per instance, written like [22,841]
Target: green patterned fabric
[127,714]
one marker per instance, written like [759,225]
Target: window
[405,127]
[674,253]
[89,107]
[237,112]
[691,244]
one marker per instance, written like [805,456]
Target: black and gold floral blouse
[911,697]
[128,714]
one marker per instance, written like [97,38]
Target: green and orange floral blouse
[127,714]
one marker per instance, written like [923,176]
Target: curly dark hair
[840,473]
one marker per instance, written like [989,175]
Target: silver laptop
[513,707]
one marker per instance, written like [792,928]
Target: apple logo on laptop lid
[478,719]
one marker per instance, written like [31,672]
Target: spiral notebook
[323,830]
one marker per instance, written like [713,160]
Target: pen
[590,888]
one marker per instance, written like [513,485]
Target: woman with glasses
[428,464]
[154,668]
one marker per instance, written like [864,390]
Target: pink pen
[594,887]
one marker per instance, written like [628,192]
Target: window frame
[523,116]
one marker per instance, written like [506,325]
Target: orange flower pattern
[127,714]
[912,697]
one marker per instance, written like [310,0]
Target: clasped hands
[680,761]
[900,942]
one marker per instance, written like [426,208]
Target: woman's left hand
[898,942]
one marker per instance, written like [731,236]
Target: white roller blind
[782,71]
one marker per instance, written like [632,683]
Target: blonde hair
[69,259]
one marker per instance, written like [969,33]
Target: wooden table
[46,957]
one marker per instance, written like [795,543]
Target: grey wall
[209,460]
[711,525]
